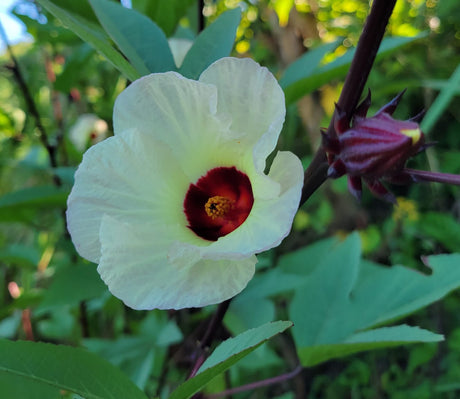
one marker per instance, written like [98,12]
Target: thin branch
[258,384]
[27,324]
[366,51]
[215,323]
[31,106]
[208,337]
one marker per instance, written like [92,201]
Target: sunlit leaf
[166,14]
[442,101]
[300,78]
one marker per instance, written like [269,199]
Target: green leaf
[398,291]
[303,261]
[268,284]
[165,13]
[47,33]
[307,64]
[133,355]
[245,313]
[215,42]
[319,305]
[74,68]
[300,79]
[23,255]
[58,324]
[384,337]
[66,368]
[138,37]
[136,355]
[16,206]
[80,8]
[92,34]
[442,101]
[12,386]
[72,285]
[228,353]
[344,295]
[440,227]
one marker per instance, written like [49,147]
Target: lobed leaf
[344,295]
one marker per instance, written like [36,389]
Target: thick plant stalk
[366,51]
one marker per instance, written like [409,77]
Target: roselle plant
[377,148]
[185,205]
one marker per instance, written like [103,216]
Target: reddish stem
[258,384]
[366,51]
[437,177]
[214,324]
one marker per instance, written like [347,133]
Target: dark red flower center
[218,202]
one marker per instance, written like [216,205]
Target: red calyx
[372,148]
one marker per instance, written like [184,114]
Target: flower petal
[135,267]
[268,223]
[178,112]
[251,97]
[131,177]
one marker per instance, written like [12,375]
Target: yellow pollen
[414,134]
[218,206]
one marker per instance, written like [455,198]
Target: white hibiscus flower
[175,206]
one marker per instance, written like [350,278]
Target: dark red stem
[257,384]
[366,51]
[437,177]
[209,335]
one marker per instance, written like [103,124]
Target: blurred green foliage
[47,293]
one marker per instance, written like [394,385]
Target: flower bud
[373,148]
